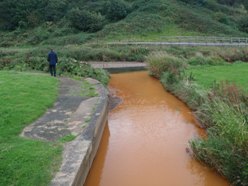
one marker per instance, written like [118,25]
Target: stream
[145,142]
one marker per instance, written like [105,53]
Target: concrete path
[73,114]
[69,115]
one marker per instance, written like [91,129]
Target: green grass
[222,111]
[164,17]
[67,138]
[235,73]
[24,97]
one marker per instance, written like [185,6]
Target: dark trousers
[52,69]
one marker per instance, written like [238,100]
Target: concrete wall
[79,154]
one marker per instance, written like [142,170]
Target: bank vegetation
[220,105]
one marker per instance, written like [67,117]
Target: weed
[67,138]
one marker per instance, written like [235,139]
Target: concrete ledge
[125,69]
[79,154]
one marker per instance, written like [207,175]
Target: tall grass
[222,110]
[161,62]
[226,148]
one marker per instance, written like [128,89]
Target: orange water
[145,139]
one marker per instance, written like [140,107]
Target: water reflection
[94,176]
[147,139]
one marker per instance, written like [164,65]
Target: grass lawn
[236,73]
[23,98]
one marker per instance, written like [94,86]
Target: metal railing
[205,39]
[190,41]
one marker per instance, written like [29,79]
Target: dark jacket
[52,58]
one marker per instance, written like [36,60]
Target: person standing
[52,58]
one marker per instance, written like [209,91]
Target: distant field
[206,75]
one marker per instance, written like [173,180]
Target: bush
[69,39]
[161,62]
[39,34]
[228,2]
[32,61]
[224,114]
[90,54]
[187,91]
[116,10]
[85,20]
[234,54]
[223,18]
[225,149]
[55,9]
[201,60]
[196,2]
[243,24]
[132,53]
[19,13]
[219,153]
[190,20]
[76,68]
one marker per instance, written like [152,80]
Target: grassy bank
[236,73]
[25,161]
[25,96]
[221,108]
[35,58]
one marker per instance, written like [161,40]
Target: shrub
[85,20]
[132,53]
[196,2]
[219,153]
[201,60]
[69,39]
[190,20]
[161,62]
[66,65]
[76,68]
[21,13]
[88,53]
[243,24]
[228,2]
[39,34]
[223,18]
[225,149]
[116,10]
[55,9]
[234,54]
[224,113]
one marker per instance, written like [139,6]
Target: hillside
[60,22]
[79,30]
